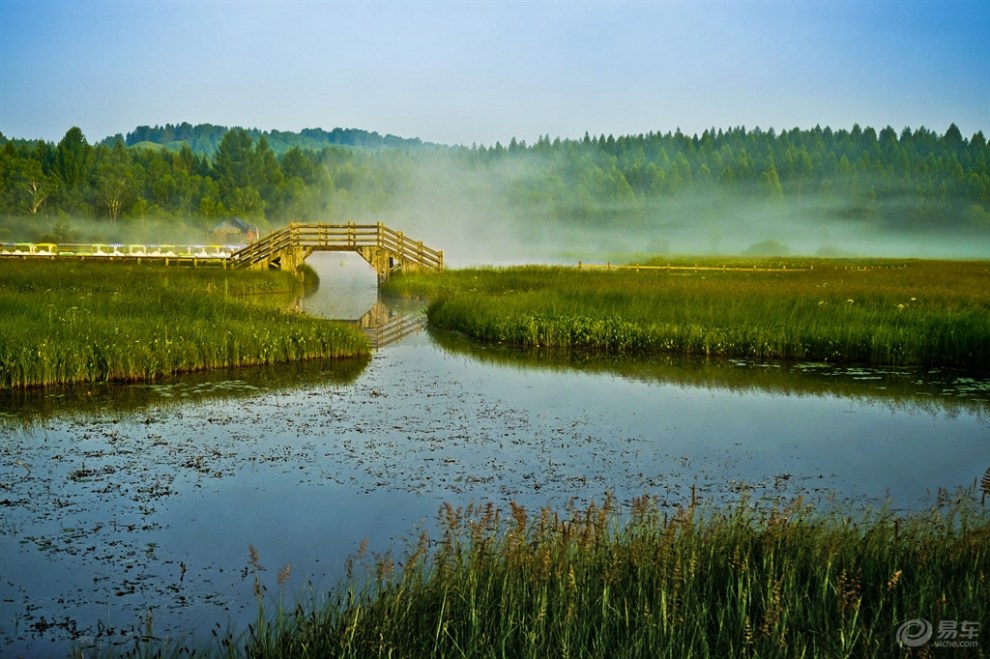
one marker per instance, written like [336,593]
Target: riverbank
[65,323]
[867,311]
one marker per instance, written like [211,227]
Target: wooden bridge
[388,251]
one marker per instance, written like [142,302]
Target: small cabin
[234,231]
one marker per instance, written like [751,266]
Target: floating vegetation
[76,322]
[919,312]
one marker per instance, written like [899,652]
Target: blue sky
[478,72]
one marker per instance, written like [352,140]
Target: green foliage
[75,322]
[915,312]
[917,181]
[768,580]
[72,157]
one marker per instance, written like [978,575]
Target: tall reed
[914,312]
[649,581]
[74,322]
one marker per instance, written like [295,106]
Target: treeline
[204,139]
[914,179]
[907,181]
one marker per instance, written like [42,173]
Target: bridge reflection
[384,324]
[348,293]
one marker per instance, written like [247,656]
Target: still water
[133,508]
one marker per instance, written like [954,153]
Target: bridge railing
[265,249]
[340,237]
[116,250]
[409,250]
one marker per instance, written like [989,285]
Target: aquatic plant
[877,312]
[94,322]
[771,580]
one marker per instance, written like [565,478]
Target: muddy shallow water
[131,508]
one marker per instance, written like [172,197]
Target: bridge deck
[385,249]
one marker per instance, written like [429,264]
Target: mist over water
[478,227]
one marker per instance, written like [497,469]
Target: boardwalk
[388,251]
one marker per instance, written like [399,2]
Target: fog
[478,225]
[470,214]
[503,211]
[75,230]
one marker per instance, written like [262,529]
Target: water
[126,508]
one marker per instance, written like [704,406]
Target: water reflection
[933,390]
[390,322]
[385,323]
[109,399]
[348,292]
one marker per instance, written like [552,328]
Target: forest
[807,190]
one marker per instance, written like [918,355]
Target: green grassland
[858,311]
[72,322]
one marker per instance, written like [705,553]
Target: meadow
[779,580]
[934,313]
[77,322]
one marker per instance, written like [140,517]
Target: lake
[126,509]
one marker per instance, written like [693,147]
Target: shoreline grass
[80,322]
[934,313]
[642,581]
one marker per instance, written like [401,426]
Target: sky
[480,72]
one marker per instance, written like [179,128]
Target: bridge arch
[388,251]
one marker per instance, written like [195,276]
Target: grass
[648,581]
[64,323]
[863,312]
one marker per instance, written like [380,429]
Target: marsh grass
[864,312]
[63,323]
[646,580]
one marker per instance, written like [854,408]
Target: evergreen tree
[72,159]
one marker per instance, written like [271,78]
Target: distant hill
[203,139]
[154,145]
